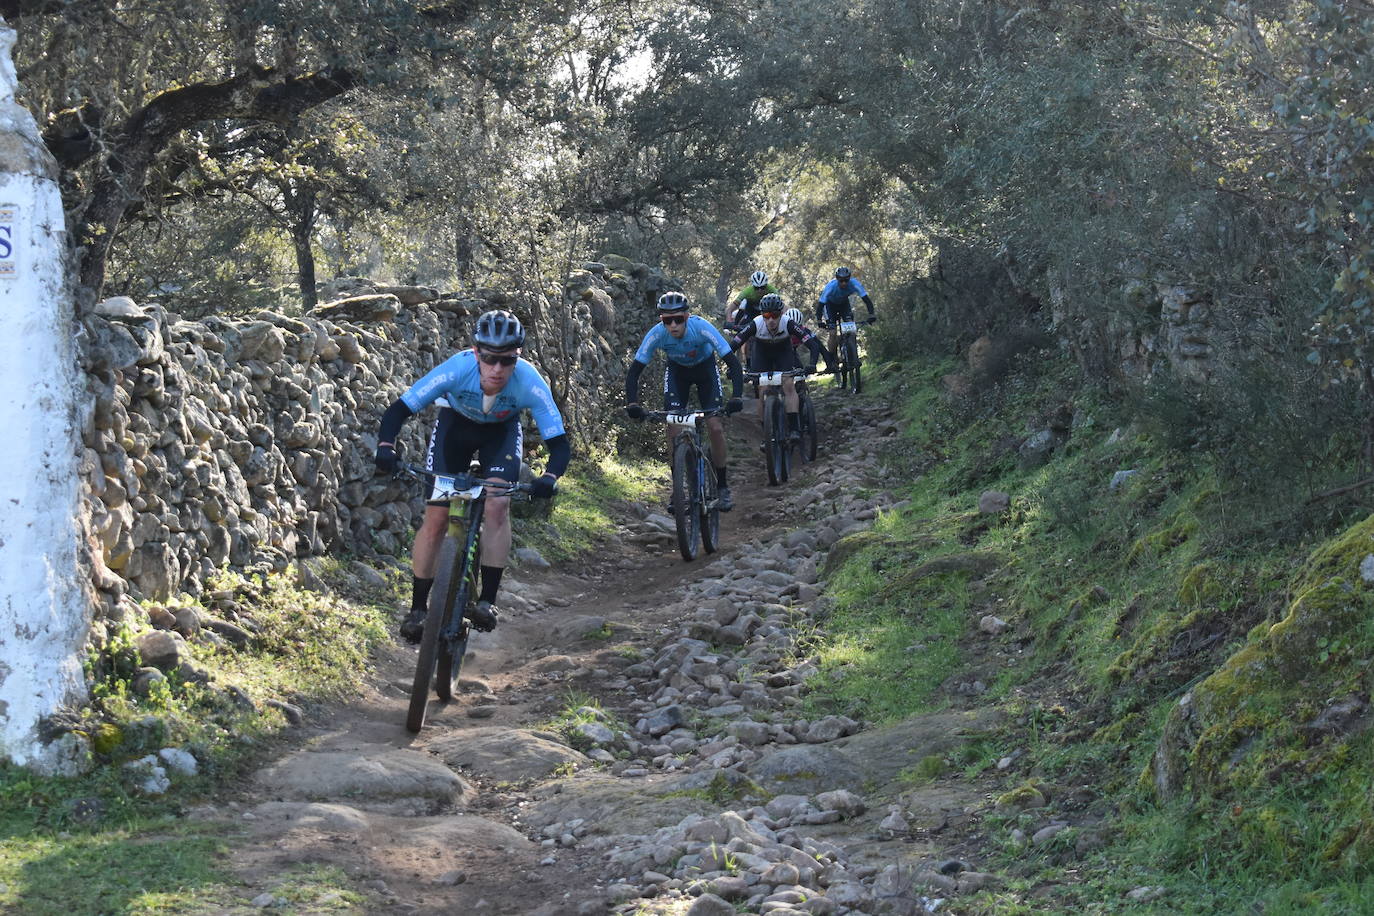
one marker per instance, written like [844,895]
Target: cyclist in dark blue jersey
[691,345]
[487,388]
[833,305]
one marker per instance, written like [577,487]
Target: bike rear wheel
[685,514]
[809,434]
[709,511]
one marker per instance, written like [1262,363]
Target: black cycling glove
[386,459]
[544,487]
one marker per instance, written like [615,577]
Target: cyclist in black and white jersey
[773,351]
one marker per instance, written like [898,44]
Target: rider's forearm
[814,346]
[742,337]
[736,372]
[395,415]
[632,381]
[560,453]
[868,302]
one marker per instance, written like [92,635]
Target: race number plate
[681,419]
[848,327]
[770,378]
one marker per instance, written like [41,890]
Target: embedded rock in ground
[459,831]
[375,775]
[320,816]
[993,502]
[804,770]
[614,806]
[506,754]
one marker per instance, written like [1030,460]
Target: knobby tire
[782,450]
[709,511]
[851,357]
[770,440]
[684,494]
[809,435]
[441,599]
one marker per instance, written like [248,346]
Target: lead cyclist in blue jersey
[487,387]
[691,345]
[834,306]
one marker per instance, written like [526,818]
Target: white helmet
[759,279]
[792,315]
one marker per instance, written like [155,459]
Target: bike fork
[453,631]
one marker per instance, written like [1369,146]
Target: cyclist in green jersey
[744,307]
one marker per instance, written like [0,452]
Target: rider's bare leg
[716,431]
[425,554]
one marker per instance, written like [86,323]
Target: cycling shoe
[482,616]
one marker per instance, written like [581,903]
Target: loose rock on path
[697,784]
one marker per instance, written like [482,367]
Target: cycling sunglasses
[495,359]
[673,319]
[772,314]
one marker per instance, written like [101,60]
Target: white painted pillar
[43,611]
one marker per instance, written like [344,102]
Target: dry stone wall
[244,442]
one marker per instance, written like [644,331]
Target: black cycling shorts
[772,355]
[455,439]
[842,312]
[678,381]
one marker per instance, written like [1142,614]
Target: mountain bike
[847,352]
[695,509]
[445,639]
[777,450]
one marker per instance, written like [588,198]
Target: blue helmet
[842,273]
[499,330]
[673,302]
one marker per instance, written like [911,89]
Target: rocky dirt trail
[699,787]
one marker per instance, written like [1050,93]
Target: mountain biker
[772,332]
[690,344]
[833,305]
[745,304]
[487,387]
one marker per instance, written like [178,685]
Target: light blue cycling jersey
[458,380]
[833,295]
[698,344]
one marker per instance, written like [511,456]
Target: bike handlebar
[464,481]
[662,416]
[791,373]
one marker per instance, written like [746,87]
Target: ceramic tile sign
[9,263]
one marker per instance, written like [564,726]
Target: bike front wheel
[685,515]
[851,358]
[443,599]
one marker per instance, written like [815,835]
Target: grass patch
[583,511]
[1122,600]
[94,843]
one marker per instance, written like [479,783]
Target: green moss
[1200,585]
[927,769]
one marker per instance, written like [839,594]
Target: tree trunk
[302,231]
[258,95]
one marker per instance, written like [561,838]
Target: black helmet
[673,302]
[771,303]
[499,330]
[842,273]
